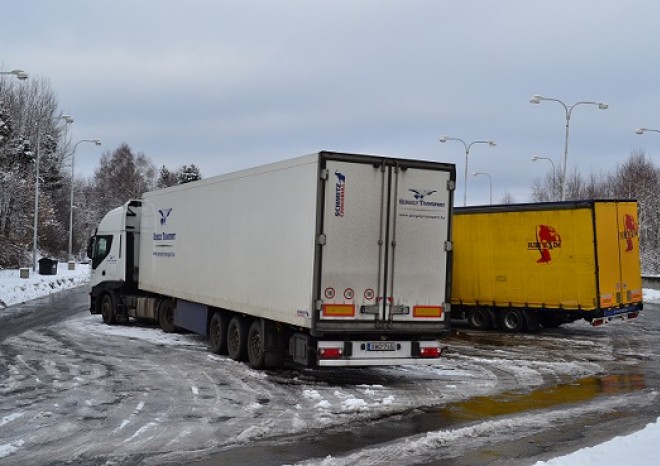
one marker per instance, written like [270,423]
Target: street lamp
[554,184]
[646,130]
[20,74]
[67,120]
[536,99]
[490,182]
[73,160]
[467,146]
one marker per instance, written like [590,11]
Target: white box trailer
[329,259]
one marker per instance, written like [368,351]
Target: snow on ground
[638,448]
[15,290]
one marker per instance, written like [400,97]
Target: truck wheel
[255,346]
[166,316]
[218,333]
[512,320]
[108,309]
[479,319]
[237,335]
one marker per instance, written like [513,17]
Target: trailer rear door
[385,228]
[617,239]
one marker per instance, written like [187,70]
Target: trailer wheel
[255,346]
[218,333]
[237,336]
[512,320]
[108,309]
[166,316]
[479,318]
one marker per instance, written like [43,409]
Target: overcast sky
[233,84]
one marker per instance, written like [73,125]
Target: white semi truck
[329,259]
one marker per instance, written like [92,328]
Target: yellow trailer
[522,266]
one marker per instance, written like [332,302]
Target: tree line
[31,126]
[29,116]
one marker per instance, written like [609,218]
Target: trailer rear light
[331,353]
[430,352]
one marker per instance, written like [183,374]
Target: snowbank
[638,448]
[16,290]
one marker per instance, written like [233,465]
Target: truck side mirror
[90,247]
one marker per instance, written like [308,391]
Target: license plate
[381,346]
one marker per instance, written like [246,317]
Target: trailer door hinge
[449,245]
[325,174]
[321,240]
[451,185]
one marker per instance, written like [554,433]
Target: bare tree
[122,176]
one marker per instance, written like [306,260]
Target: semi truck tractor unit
[525,266]
[329,259]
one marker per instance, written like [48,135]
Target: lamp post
[646,130]
[20,74]
[73,160]
[67,120]
[554,183]
[490,182]
[467,146]
[537,99]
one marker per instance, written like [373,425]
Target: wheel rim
[478,319]
[512,320]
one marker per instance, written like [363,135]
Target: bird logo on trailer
[548,242]
[420,194]
[340,194]
[164,213]
[630,230]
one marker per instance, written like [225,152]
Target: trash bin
[47,266]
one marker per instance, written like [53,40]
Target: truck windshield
[102,245]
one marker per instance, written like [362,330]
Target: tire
[166,316]
[512,320]
[237,336]
[479,319]
[218,333]
[255,346]
[108,309]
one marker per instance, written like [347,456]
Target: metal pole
[73,163]
[563,175]
[467,153]
[73,159]
[36,204]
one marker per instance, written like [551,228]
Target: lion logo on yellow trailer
[630,231]
[548,243]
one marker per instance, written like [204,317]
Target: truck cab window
[102,245]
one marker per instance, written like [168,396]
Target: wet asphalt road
[628,352]
[634,367]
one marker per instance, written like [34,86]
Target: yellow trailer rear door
[631,276]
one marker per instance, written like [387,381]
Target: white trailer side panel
[243,241]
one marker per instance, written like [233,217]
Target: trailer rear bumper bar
[378,353]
